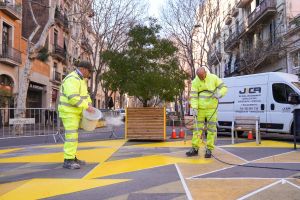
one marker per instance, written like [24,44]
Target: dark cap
[85,64]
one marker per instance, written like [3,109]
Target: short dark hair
[85,64]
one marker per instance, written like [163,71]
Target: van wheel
[240,133]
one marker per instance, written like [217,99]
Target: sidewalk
[118,169]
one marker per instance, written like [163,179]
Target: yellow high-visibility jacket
[202,91]
[74,97]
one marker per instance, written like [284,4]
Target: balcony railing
[261,12]
[59,52]
[243,3]
[12,10]
[228,18]
[61,19]
[234,11]
[232,41]
[214,57]
[57,76]
[265,51]
[9,55]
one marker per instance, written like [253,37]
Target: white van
[264,95]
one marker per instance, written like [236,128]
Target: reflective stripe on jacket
[201,96]
[74,95]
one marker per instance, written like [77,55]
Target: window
[6,38]
[55,38]
[54,70]
[296,59]
[6,80]
[281,92]
[272,31]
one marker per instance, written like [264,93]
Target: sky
[155,7]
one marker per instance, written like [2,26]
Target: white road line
[240,178]
[293,184]
[259,190]
[187,191]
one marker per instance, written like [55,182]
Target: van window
[297,84]
[281,92]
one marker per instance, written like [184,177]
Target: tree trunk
[145,103]
[121,100]
[181,106]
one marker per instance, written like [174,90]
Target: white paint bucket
[89,120]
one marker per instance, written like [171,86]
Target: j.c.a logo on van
[251,90]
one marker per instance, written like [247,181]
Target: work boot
[192,152]
[71,164]
[207,153]
[80,162]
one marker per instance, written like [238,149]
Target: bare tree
[111,23]
[191,24]
[37,39]
[31,54]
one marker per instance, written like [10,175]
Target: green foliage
[147,68]
[43,54]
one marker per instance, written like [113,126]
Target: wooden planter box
[145,124]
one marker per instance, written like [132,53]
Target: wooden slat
[145,123]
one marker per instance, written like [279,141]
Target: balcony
[241,30]
[12,10]
[61,19]
[216,35]
[59,53]
[57,76]
[243,3]
[232,41]
[235,11]
[262,12]
[228,19]
[265,52]
[86,46]
[10,56]
[214,57]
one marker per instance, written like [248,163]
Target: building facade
[11,49]
[254,36]
[67,43]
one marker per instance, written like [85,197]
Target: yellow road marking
[104,143]
[175,144]
[90,155]
[140,163]
[45,188]
[2,151]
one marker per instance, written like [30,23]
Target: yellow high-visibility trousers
[211,128]
[71,126]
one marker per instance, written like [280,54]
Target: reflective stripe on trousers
[211,128]
[71,126]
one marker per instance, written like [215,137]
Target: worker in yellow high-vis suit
[74,98]
[206,89]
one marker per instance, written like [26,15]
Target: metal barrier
[36,122]
[40,122]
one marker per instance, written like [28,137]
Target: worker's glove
[217,95]
[194,112]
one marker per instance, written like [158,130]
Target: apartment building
[67,43]
[11,49]
[254,36]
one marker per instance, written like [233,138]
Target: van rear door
[279,111]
